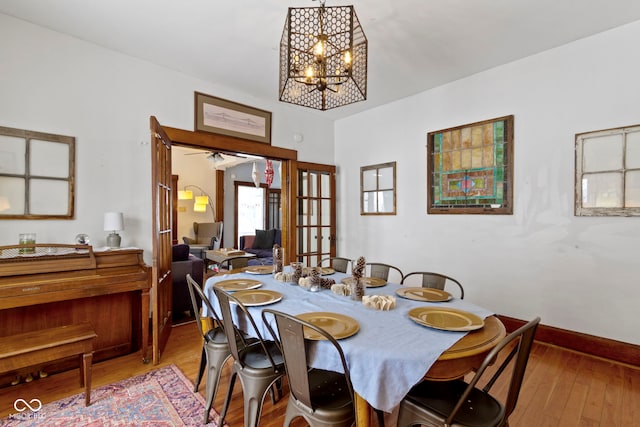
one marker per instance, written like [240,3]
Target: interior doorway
[199,172]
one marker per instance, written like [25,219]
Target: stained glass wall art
[470,168]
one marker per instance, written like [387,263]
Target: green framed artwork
[470,168]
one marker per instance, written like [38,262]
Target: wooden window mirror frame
[378,189]
[36,175]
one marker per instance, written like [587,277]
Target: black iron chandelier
[323,57]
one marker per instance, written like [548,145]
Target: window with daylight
[608,172]
[378,189]
[470,168]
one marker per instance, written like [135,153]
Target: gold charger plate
[424,294]
[324,271]
[447,319]
[255,297]
[259,269]
[337,325]
[369,282]
[232,285]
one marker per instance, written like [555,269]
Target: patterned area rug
[159,398]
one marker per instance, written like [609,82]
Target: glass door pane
[250,209]
[316,213]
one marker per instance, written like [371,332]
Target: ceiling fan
[223,160]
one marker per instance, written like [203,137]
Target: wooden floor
[561,388]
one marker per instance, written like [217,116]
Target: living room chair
[183,263]
[339,264]
[260,365]
[323,398]
[208,235]
[382,271]
[457,403]
[215,346]
[432,280]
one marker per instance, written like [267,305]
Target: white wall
[577,273]
[53,83]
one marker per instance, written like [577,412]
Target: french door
[161,288]
[316,212]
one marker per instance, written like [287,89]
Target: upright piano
[48,285]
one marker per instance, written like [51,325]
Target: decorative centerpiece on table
[307,278]
[357,284]
[278,254]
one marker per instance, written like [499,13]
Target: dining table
[387,351]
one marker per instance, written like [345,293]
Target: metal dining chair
[447,403]
[381,271]
[323,398]
[433,280]
[339,264]
[260,365]
[215,347]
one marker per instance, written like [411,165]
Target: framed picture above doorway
[224,117]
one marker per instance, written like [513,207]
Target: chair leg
[227,400]
[276,391]
[215,362]
[203,363]
[254,394]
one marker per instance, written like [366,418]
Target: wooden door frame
[288,158]
[293,172]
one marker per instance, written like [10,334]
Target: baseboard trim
[590,344]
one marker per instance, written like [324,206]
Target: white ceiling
[414,45]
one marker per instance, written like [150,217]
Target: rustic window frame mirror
[378,189]
[37,175]
[608,172]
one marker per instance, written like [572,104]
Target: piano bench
[33,348]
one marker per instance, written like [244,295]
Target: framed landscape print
[224,117]
[470,168]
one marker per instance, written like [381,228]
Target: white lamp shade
[113,221]
[199,207]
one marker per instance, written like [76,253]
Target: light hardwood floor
[561,388]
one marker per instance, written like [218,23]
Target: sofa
[261,244]
[208,235]
[183,263]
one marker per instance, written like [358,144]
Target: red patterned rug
[159,398]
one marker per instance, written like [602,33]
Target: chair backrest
[381,270]
[523,340]
[196,291]
[290,339]
[205,231]
[337,263]
[433,280]
[235,335]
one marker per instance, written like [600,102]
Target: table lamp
[113,221]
